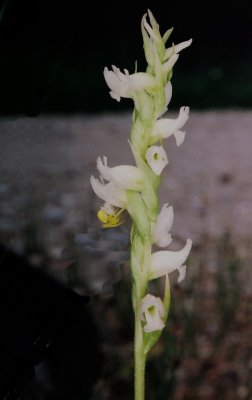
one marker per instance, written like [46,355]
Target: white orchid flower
[165,262]
[120,179]
[124,84]
[152,311]
[165,127]
[111,192]
[161,230]
[175,49]
[125,176]
[156,158]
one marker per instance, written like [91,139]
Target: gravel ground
[46,205]
[208,180]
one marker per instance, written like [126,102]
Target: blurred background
[56,117]
[53,53]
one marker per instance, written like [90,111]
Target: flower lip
[152,311]
[165,127]
[165,262]
[156,158]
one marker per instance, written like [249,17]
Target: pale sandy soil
[208,180]
[46,201]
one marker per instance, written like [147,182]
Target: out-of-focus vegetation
[205,350]
[47,213]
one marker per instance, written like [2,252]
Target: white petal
[153,322]
[110,193]
[127,177]
[152,310]
[124,84]
[165,127]
[161,235]
[108,208]
[115,96]
[156,158]
[147,302]
[165,240]
[102,166]
[163,262]
[111,79]
[117,82]
[177,48]
[182,273]
[180,137]
[141,80]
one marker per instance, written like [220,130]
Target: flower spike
[135,187]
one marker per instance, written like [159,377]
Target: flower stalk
[135,188]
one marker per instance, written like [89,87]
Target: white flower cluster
[115,183]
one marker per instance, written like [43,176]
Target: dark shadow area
[48,340]
[52,53]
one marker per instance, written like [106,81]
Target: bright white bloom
[120,179]
[111,192]
[165,262]
[125,176]
[165,127]
[161,230]
[124,84]
[152,311]
[156,158]
[175,49]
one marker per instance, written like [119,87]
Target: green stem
[139,356]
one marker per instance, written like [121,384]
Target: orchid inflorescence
[134,188]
